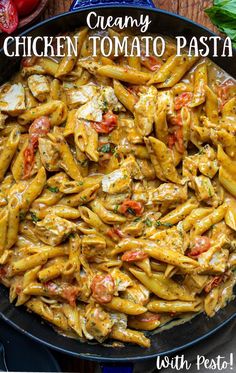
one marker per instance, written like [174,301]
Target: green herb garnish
[106,148]
[223,15]
[148,222]
[160,224]
[34,217]
[53,189]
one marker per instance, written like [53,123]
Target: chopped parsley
[160,224]
[106,148]
[53,189]
[83,198]
[137,219]
[22,215]
[148,222]
[116,209]
[34,217]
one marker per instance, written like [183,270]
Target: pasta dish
[117,190]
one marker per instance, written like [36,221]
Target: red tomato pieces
[70,293]
[103,288]
[108,124]
[133,256]
[38,128]
[201,245]
[152,63]
[176,138]
[25,7]
[213,283]
[182,100]
[114,233]
[8,16]
[131,207]
[65,291]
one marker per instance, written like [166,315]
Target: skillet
[168,341]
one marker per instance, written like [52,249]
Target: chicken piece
[12,99]
[144,111]
[132,167]
[203,187]
[169,192]
[91,110]
[122,280]
[49,154]
[207,162]
[52,230]
[109,100]
[81,95]
[98,322]
[39,86]
[137,293]
[116,182]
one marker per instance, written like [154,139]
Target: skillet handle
[81,4]
[117,368]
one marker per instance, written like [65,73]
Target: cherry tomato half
[133,256]
[38,128]
[201,245]
[103,288]
[8,16]
[131,207]
[108,124]
[25,7]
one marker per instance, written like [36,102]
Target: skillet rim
[94,357]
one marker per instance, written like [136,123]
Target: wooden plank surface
[193,9]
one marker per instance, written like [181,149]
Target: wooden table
[193,9]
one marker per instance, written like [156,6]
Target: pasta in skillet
[118,191]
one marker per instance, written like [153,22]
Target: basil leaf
[223,15]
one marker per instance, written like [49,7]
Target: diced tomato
[103,288]
[38,128]
[148,316]
[171,140]
[214,282]
[29,61]
[114,233]
[152,63]
[28,160]
[224,90]
[70,293]
[182,100]
[177,120]
[131,207]
[201,245]
[108,124]
[66,291]
[133,256]
[8,16]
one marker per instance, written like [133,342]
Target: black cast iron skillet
[168,341]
